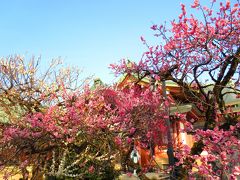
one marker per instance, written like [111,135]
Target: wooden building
[183,106]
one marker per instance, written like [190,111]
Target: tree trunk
[37,174]
[25,173]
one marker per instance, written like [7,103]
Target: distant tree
[24,92]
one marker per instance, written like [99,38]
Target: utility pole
[168,124]
[152,148]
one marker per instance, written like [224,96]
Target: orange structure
[184,107]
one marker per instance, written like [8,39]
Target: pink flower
[118,141]
[132,130]
[70,140]
[56,134]
[129,140]
[148,134]
[183,9]
[236,170]
[195,4]
[143,40]
[224,155]
[227,4]
[91,169]
[129,174]
[154,27]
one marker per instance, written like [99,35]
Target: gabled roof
[230,99]
[127,78]
[171,87]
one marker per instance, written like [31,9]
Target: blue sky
[89,34]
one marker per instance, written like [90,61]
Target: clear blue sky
[89,34]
